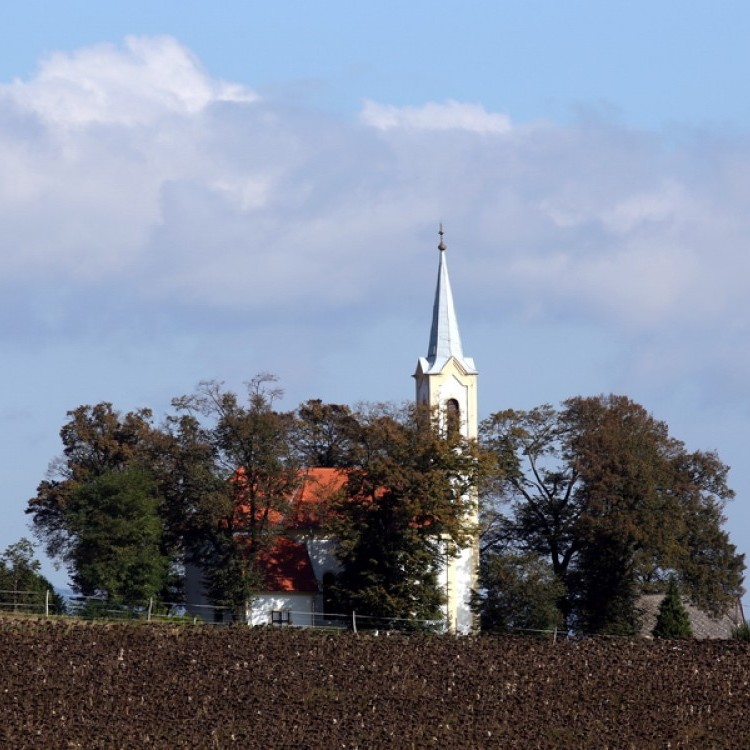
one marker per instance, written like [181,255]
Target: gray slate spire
[445,339]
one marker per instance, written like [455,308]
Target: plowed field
[75,685]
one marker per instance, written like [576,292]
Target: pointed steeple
[445,339]
[446,382]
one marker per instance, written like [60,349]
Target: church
[301,566]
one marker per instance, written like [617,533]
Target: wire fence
[28,602]
[48,604]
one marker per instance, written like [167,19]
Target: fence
[44,603]
[96,608]
[27,602]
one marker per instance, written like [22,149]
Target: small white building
[298,569]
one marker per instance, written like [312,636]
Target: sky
[194,191]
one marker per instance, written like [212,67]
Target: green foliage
[324,434]
[256,466]
[519,592]
[672,621]
[605,591]
[742,632]
[117,528]
[615,504]
[22,586]
[107,459]
[404,513]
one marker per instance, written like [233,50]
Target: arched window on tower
[452,418]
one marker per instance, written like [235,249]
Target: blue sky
[191,191]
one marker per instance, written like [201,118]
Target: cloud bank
[132,169]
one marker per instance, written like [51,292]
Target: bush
[672,620]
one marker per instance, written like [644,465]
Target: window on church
[452,417]
[281,617]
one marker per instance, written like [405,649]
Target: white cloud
[90,144]
[660,203]
[146,80]
[450,115]
[119,170]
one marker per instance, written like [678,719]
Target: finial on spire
[442,246]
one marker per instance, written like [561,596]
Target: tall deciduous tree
[118,531]
[405,511]
[616,505]
[102,495]
[324,434]
[255,461]
[518,592]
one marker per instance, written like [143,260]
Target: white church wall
[457,576]
[293,608]
[465,579]
[323,558]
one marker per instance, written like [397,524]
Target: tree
[193,492]
[20,578]
[615,504]
[96,440]
[324,434]
[128,504]
[118,530]
[98,512]
[404,512]
[672,620]
[517,592]
[257,468]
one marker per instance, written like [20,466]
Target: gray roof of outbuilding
[703,625]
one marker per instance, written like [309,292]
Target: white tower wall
[443,376]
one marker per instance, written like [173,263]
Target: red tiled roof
[308,505]
[286,567]
[317,488]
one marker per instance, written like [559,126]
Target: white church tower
[447,381]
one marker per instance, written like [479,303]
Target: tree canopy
[22,586]
[99,510]
[405,512]
[117,527]
[255,469]
[520,593]
[614,505]
[584,507]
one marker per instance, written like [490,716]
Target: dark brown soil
[74,685]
